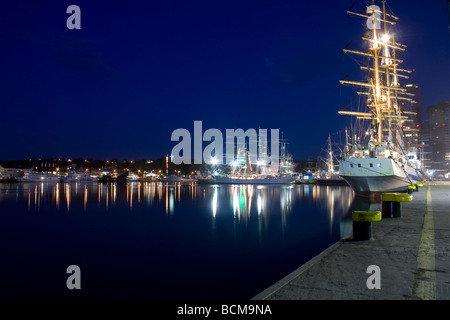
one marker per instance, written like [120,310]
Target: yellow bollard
[362,224]
[392,204]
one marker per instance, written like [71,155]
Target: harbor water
[154,240]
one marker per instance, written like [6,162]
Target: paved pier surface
[412,253]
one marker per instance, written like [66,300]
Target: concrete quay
[412,253]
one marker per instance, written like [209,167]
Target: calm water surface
[162,240]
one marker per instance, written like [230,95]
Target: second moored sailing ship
[377,162]
[243,171]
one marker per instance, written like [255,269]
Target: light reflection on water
[209,230]
[242,200]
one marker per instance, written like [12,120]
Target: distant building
[439,134]
[413,127]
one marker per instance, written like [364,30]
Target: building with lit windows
[439,134]
[412,128]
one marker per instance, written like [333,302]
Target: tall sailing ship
[243,171]
[376,160]
[330,176]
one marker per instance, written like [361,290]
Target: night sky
[138,70]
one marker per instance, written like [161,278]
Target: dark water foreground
[163,240]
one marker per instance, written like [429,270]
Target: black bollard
[387,209]
[362,230]
[392,203]
[362,224]
[396,209]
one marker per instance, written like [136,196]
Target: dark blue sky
[137,70]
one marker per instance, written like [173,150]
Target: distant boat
[244,170]
[70,177]
[86,177]
[307,178]
[148,179]
[35,176]
[74,177]
[177,178]
[132,177]
[330,177]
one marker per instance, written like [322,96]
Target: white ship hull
[73,177]
[39,177]
[174,178]
[262,180]
[366,175]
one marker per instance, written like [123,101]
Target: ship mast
[377,91]
[382,87]
[330,157]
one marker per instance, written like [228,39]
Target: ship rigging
[377,162]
